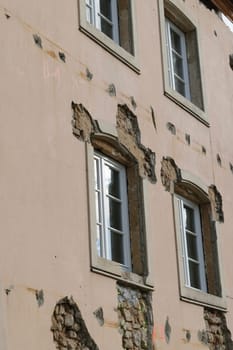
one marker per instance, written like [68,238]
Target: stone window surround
[179,11]
[186,293]
[98,264]
[106,42]
[122,142]
[109,191]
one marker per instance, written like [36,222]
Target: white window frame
[187,293]
[183,56]
[93,7]
[197,233]
[179,14]
[88,19]
[103,242]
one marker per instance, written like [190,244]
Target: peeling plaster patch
[188,335]
[203,150]
[51,54]
[37,40]
[69,329]
[83,124]
[231,167]
[129,136]
[62,56]
[216,203]
[231,61]
[99,314]
[218,335]
[167,331]
[187,139]
[133,102]
[153,117]
[40,297]
[202,336]
[9,289]
[135,318]
[169,173]
[112,90]
[219,160]
[171,127]
[85,128]
[89,75]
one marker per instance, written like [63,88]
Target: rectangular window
[192,246]
[177,59]
[197,247]
[104,16]
[110,24]
[181,59]
[111,200]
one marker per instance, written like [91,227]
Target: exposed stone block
[135,320]
[216,203]
[218,336]
[86,128]
[69,329]
[170,173]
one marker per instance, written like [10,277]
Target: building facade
[116,175]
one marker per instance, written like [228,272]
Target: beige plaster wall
[43,183]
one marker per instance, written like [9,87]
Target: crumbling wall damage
[135,318]
[69,329]
[85,128]
[216,203]
[170,173]
[218,336]
[130,137]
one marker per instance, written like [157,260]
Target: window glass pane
[180,86]
[105,8]
[112,181]
[88,14]
[194,275]
[192,246]
[178,65]
[99,240]
[89,11]
[189,218]
[106,28]
[176,41]
[97,175]
[97,205]
[115,215]
[117,247]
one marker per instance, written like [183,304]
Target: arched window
[116,208]
[197,246]
[118,166]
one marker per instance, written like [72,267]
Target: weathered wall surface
[46,63]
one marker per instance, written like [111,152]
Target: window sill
[110,46]
[118,272]
[187,105]
[199,297]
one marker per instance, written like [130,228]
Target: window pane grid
[194,261]
[193,258]
[115,230]
[177,60]
[103,18]
[89,11]
[179,78]
[111,210]
[114,198]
